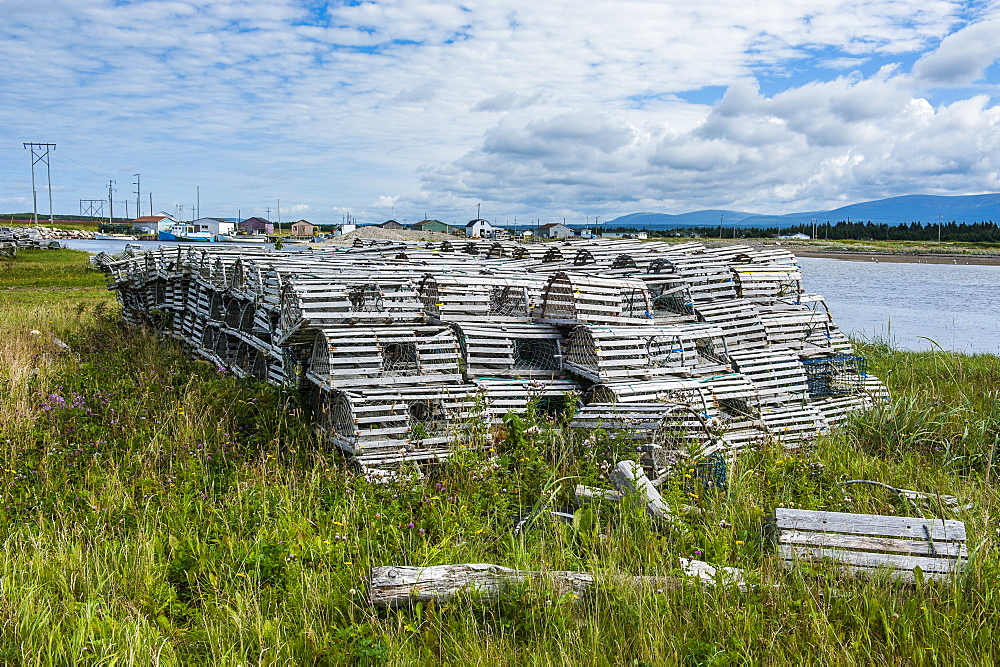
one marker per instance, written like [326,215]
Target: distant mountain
[893,211]
[693,219]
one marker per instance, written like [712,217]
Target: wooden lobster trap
[479,298]
[381,356]
[778,376]
[606,354]
[793,423]
[389,426]
[509,396]
[663,433]
[308,305]
[739,321]
[574,298]
[767,281]
[511,350]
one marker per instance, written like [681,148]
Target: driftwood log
[629,477]
[393,586]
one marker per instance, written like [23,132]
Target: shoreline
[900,258]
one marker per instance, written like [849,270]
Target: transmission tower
[40,153]
[93,208]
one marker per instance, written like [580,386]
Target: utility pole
[478,216]
[721,218]
[198,199]
[192,213]
[111,202]
[151,203]
[40,153]
[138,208]
[939,228]
[814,228]
[279,215]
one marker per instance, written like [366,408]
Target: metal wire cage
[835,376]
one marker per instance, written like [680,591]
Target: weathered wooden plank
[918,547]
[869,559]
[870,524]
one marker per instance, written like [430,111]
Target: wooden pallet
[870,544]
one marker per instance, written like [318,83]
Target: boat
[182,231]
[240,238]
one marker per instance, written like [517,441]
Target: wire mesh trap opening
[835,376]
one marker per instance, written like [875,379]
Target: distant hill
[893,211]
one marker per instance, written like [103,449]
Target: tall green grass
[157,511]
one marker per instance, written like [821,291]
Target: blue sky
[406,108]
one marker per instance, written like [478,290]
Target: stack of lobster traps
[407,351]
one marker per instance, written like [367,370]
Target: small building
[257,226]
[480,229]
[435,226]
[303,228]
[391,224]
[152,224]
[625,235]
[554,230]
[213,226]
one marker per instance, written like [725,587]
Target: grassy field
[156,510]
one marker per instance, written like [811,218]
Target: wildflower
[739,542]
[240,574]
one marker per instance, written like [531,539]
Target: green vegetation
[157,510]
[83,223]
[915,232]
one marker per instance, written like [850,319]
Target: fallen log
[629,477]
[394,586]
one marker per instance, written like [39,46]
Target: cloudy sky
[406,108]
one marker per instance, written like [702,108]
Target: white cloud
[962,57]
[532,107]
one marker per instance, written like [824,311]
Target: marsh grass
[157,511]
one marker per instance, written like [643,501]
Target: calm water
[955,306]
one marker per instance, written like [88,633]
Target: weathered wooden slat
[870,524]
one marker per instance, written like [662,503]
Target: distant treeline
[976,232]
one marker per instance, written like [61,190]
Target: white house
[480,228]
[554,230]
[213,226]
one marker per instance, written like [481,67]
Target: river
[909,305]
